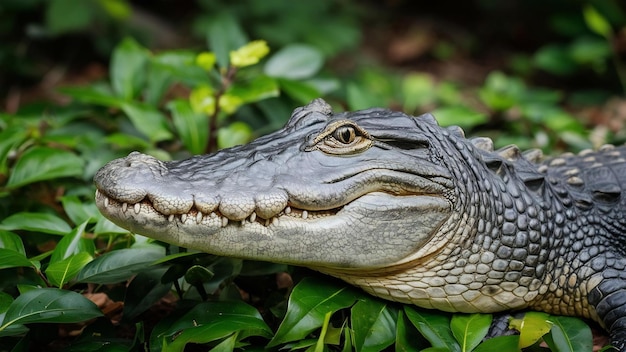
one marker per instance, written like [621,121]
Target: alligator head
[337,191]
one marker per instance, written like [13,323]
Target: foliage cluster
[56,249]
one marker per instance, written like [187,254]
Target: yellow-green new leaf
[249,54]
[61,272]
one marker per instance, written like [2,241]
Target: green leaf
[500,344]
[373,325]
[359,98]
[569,334]
[49,305]
[418,90]
[95,94]
[256,89]
[302,92]
[79,211]
[211,321]
[459,115]
[531,327]
[73,243]
[407,338]
[128,67]
[435,327]
[192,127]
[5,302]
[470,329]
[224,34]
[12,259]
[9,240]
[596,22]
[10,138]
[120,265]
[588,50]
[61,272]
[143,291]
[36,222]
[295,61]
[148,120]
[236,133]
[43,163]
[249,54]
[68,15]
[555,59]
[227,345]
[308,304]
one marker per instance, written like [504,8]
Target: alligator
[405,209]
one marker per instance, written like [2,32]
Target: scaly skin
[405,209]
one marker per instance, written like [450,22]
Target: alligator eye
[342,138]
[345,134]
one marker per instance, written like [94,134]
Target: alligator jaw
[325,232]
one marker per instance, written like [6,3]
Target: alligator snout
[141,178]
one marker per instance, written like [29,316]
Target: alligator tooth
[97,193]
[124,207]
[275,221]
[137,208]
[288,210]
[267,222]
[106,201]
[170,218]
[213,215]
[224,221]
[183,218]
[305,214]
[252,217]
[199,217]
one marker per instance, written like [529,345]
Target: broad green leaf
[44,163]
[249,54]
[373,325]
[470,329]
[299,91]
[555,59]
[120,265]
[148,120]
[10,138]
[73,243]
[95,94]
[360,98]
[105,226]
[192,127]
[255,89]
[596,22]
[236,133]
[118,9]
[500,344]
[531,327]
[143,291]
[64,16]
[227,345]
[224,34]
[9,240]
[461,116]
[127,69]
[501,92]
[5,302]
[308,304]
[211,321]
[36,222]
[295,61]
[418,90]
[12,259]
[62,271]
[569,334]
[435,327]
[407,338]
[49,305]
[588,50]
[79,211]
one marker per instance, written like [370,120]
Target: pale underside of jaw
[110,205]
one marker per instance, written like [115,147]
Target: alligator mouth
[108,203]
